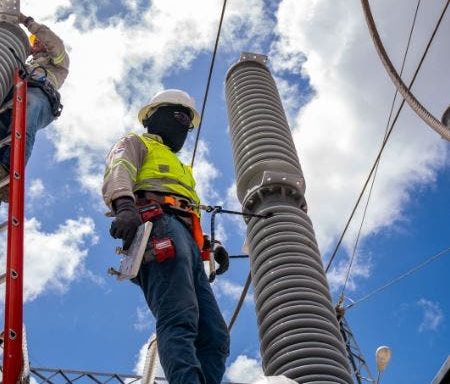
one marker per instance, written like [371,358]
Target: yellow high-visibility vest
[162,171]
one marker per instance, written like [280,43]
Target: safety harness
[49,90]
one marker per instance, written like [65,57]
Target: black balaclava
[164,124]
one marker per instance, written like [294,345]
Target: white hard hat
[170,97]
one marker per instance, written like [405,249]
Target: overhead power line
[208,83]
[383,145]
[355,247]
[401,277]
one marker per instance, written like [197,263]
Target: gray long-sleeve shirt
[55,60]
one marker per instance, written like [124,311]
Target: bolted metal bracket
[9,11]
[282,186]
[249,56]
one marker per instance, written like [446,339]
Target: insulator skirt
[11,37]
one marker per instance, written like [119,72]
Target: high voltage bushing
[298,329]
[12,37]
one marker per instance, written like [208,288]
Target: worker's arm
[122,165]
[53,44]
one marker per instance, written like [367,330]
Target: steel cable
[208,83]
[401,277]
[240,302]
[383,145]
[420,110]
[411,31]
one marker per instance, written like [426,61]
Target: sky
[337,97]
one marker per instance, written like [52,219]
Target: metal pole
[13,357]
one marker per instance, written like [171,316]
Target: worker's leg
[5,119]
[170,293]
[4,132]
[39,115]
[213,341]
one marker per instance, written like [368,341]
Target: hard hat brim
[148,110]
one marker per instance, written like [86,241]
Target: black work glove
[221,257]
[126,222]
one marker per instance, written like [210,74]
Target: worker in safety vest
[142,175]
[48,67]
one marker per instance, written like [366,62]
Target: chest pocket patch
[164,168]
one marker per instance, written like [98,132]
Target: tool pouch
[151,212]
[162,249]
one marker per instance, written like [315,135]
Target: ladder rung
[4,226]
[5,141]
[2,278]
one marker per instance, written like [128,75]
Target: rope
[205,97]
[399,278]
[240,302]
[411,31]
[383,145]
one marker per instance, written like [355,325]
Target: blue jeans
[39,115]
[193,340]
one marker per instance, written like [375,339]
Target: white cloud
[143,319]
[223,287]
[54,260]
[432,315]
[244,370]
[204,172]
[40,13]
[132,4]
[361,268]
[338,133]
[232,203]
[36,189]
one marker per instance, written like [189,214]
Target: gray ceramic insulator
[12,36]
[298,329]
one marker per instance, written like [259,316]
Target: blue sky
[337,97]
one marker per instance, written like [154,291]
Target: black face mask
[164,124]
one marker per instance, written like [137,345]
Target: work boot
[4,192]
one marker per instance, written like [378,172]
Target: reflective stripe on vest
[162,171]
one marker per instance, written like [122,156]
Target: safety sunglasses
[184,119]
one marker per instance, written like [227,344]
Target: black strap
[52,94]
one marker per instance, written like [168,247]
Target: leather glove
[222,258]
[126,222]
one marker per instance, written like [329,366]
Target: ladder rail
[13,360]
